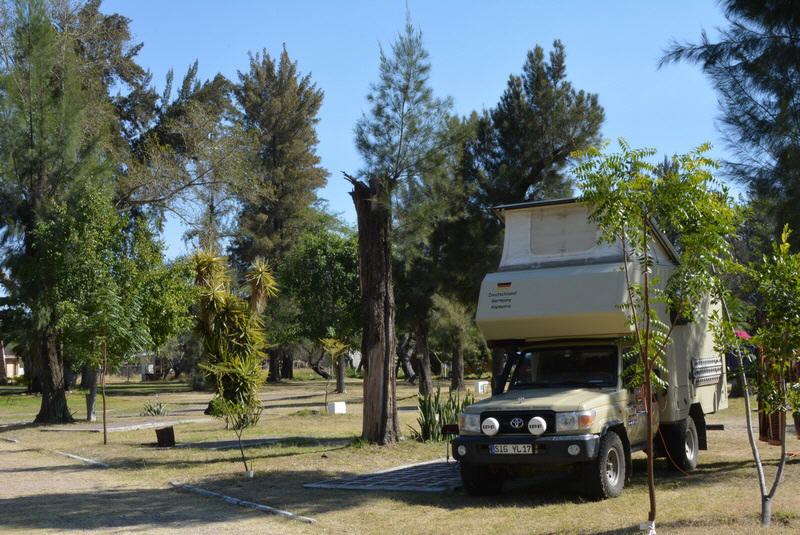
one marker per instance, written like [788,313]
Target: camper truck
[554,307]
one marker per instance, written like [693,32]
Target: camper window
[591,367]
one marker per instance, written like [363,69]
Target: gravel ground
[41,492]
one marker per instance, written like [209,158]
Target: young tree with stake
[775,280]
[629,199]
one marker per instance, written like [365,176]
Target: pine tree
[398,139]
[279,108]
[52,124]
[755,67]
[427,208]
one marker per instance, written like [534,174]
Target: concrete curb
[93,462]
[242,503]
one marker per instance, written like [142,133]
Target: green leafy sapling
[631,200]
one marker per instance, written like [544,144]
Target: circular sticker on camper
[490,426]
[537,425]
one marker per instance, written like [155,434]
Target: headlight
[470,423]
[572,421]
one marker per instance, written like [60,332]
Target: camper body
[554,306]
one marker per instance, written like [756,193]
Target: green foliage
[434,412]
[401,134]
[454,330]
[279,108]
[519,151]
[630,198]
[334,348]
[233,334]
[154,408]
[777,280]
[753,65]
[320,274]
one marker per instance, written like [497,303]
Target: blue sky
[612,48]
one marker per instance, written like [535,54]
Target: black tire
[604,477]
[481,480]
[683,444]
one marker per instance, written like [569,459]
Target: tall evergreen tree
[51,125]
[429,205]
[279,108]
[520,152]
[754,65]
[60,127]
[398,139]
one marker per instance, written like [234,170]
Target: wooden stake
[103,393]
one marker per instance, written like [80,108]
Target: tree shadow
[309,446]
[140,509]
[5,428]
[147,389]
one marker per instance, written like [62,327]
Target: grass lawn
[721,497]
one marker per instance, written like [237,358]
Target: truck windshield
[592,367]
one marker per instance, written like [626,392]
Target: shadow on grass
[307,446]
[140,509]
[147,389]
[285,489]
[8,428]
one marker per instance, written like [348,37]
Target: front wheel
[480,480]
[605,476]
[683,444]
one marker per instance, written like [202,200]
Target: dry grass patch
[720,498]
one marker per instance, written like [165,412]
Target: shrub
[154,408]
[435,412]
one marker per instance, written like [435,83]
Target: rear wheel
[683,444]
[605,476]
[480,480]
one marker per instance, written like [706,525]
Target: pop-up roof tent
[555,278]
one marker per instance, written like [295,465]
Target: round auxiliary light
[490,426]
[537,425]
[573,449]
[462,450]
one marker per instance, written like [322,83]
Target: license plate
[511,449]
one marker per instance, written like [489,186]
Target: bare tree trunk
[498,365]
[287,365]
[457,376]
[317,366]
[274,375]
[378,343]
[404,359]
[53,409]
[341,371]
[89,382]
[3,374]
[423,355]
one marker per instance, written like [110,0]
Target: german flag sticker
[504,285]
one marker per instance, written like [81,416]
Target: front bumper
[551,449]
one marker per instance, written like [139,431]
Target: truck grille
[505,418]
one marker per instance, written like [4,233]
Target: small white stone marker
[337,407]
[481,387]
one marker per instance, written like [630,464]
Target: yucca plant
[435,413]
[234,340]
